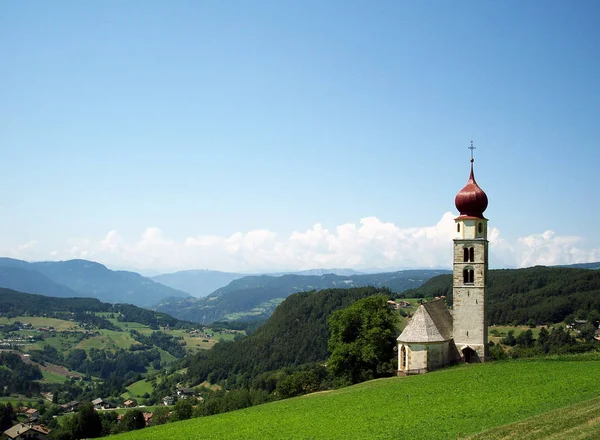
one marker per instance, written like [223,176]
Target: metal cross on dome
[471,147]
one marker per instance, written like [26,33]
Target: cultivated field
[451,403]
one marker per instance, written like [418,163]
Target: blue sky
[290,135]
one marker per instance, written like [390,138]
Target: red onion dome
[471,201]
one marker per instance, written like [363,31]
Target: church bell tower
[470,271]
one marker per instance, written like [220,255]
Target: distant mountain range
[223,295]
[255,297]
[593,266]
[197,282]
[82,278]
[201,283]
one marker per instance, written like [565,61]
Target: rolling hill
[255,297]
[84,279]
[446,404]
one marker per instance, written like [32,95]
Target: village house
[71,406]
[27,431]
[32,414]
[184,393]
[99,403]
[130,403]
[168,400]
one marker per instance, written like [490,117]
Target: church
[436,336]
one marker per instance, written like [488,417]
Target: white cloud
[549,249]
[370,243]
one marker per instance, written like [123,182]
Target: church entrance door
[469,355]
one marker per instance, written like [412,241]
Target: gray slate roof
[432,322]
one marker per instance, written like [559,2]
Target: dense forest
[536,294]
[17,376]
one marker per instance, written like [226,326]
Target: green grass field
[138,389]
[447,404]
[37,321]
[15,399]
[108,340]
[575,422]
[51,377]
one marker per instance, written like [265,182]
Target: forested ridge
[259,291]
[542,294]
[13,303]
[297,333]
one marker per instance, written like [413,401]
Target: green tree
[132,420]
[86,422]
[183,410]
[362,340]
[496,352]
[160,416]
[542,340]
[301,382]
[7,415]
[587,332]
[525,339]
[594,317]
[510,339]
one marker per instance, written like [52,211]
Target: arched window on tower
[458,227]
[468,276]
[480,227]
[472,255]
[466,255]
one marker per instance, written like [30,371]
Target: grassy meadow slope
[575,422]
[446,404]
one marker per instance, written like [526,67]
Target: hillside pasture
[40,321]
[108,340]
[137,389]
[53,377]
[579,421]
[447,404]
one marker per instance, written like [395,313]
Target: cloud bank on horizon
[367,245]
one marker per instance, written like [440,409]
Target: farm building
[130,403]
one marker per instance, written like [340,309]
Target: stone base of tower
[472,353]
